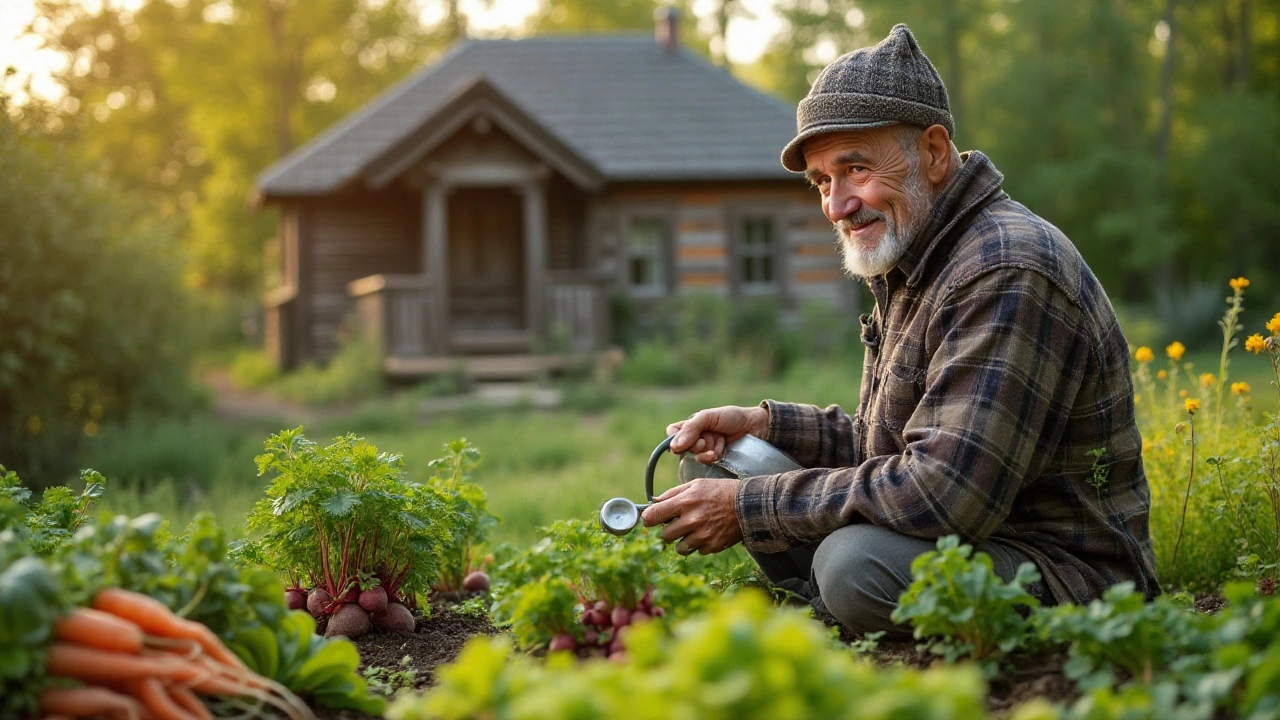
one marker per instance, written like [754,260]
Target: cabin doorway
[486,268]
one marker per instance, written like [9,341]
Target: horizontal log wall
[351,238]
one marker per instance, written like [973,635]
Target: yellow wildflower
[1239,388]
[1207,379]
[1176,349]
[1192,405]
[1144,355]
[1239,283]
[1273,325]
[1255,344]
[1147,445]
[1163,374]
[1182,393]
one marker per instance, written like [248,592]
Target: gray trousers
[859,571]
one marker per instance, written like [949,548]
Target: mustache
[863,216]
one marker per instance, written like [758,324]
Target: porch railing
[398,313]
[577,311]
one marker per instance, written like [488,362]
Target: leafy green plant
[579,587]
[319,669]
[30,600]
[48,524]
[961,607]
[451,479]
[389,681]
[332,513]
[742,659]
[1122,631]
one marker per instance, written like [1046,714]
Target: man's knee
[860,571]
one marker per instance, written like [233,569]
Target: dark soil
[436,640]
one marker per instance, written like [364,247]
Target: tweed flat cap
[891,82]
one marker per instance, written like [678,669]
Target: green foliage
[962,608]
[354,373]
[253,369]
[47,526]
[30,601]
[741,660]
[542,591]
[451,480]
[389,681]
[333,512]
[92,311]
[318,669]
[1122,631]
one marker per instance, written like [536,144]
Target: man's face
[873,192]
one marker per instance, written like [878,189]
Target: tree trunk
[286,72]
[1166,88]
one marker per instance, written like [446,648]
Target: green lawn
[538,466]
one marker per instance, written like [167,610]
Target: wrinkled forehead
[867,145]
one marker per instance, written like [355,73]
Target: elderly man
[996,402]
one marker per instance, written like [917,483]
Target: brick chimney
[667,29]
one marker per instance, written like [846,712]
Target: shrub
[93,313]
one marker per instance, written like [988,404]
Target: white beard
[861,262]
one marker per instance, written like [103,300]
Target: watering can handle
[653,464]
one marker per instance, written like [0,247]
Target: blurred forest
[1148,130]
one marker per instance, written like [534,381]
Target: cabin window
[756,253]
[647,255]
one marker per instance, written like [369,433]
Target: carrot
[188,701]
[154,696]
[156,619]
[86,626]
[89,701]
[93,665]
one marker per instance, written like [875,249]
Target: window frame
[664,217]
[737,217]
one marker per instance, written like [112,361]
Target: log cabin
[482,213]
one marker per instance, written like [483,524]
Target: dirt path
[235,404]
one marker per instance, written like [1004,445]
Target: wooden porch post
[535,249]
[436,253]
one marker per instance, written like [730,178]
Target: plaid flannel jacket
[994,366]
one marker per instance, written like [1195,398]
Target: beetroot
[591,637]
[295,598]
[317,601]
[352,595]
[350,620]
[476,581]
[616,647]
[619,657]
[373,600]
[595,618]
[639,616]
[658,612]
[563,641]
[602,606]
[395,619]
[621,617]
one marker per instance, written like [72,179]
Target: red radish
[318,601]
[621,617]
[395,619]
[476,581]
[374,600]
[563,641]
[295,598]
[595,618]
[350,620]
[639,616]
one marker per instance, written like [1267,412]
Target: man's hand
[706,432]
[703,515]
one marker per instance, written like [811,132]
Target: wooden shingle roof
[619,102]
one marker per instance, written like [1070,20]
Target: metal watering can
[745,457]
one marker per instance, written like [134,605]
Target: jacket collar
[975,185]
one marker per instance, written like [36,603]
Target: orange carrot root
[93,665]
[86,626]
[156,619]
[154,696]
[188,701]
[89,701]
